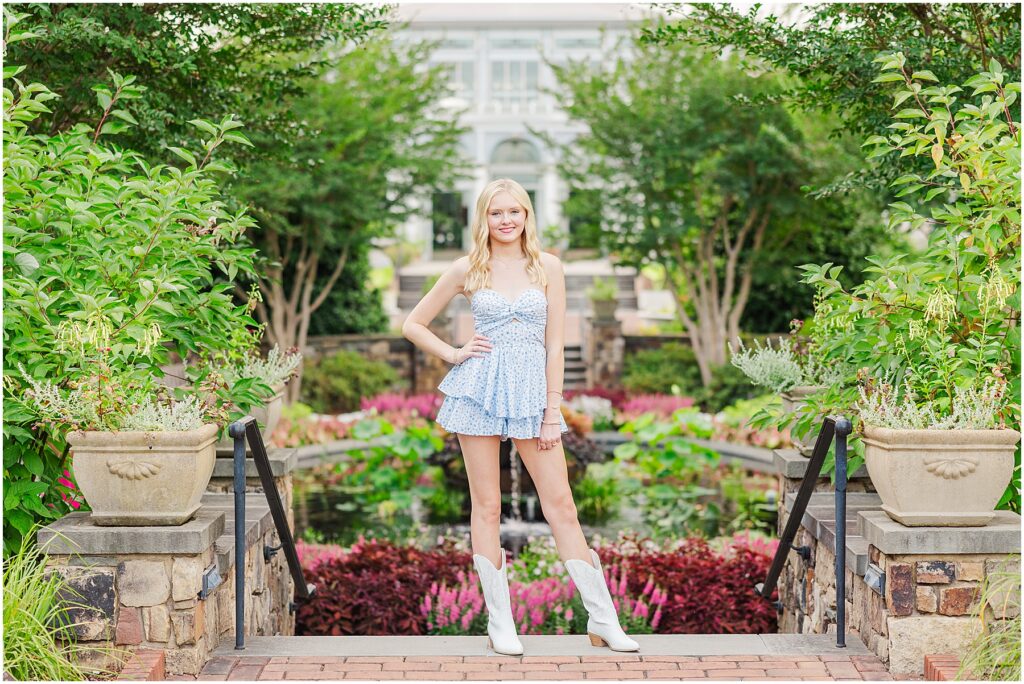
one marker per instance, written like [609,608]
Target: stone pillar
[910,591]
[604,353]
[143,587]
[430,369]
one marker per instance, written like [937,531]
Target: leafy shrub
[374,588]
[947,317]
[39,642]
[597,494]
[101,246]
[338,383]
[708,592]
[654,371]
[672,368]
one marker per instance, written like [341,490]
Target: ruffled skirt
[501,393]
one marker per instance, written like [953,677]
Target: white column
[552,208]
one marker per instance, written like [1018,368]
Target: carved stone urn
[950,478]
[792,400]
[267,416]
[143,478]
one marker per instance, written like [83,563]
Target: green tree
[109,262]
[690,177]
[376,140]
[247,60]
[831,49]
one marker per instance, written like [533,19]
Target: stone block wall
[918,599]
[604,353]
[151,600]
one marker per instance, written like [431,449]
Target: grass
[995,653]
[39,641]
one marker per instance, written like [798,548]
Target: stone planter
[143,478]
[604,309]
[791,403]
[940,477]
[267,416]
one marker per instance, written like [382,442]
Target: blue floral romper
[504,391]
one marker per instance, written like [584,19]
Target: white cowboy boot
[501,627]
[603,622]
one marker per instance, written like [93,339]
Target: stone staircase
[575,368]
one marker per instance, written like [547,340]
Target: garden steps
[544,645]
[820,519]
[549,657]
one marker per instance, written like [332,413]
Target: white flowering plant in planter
[972,407]
[780,368]
[942,321]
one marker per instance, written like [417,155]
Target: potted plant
[554,237]
[140,457]
[603,298]
[942,323]
[268,377]
[793,374]
[933,466]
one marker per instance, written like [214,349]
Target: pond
[723,500]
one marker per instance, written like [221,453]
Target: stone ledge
[819,520]
[282,462]
[1002,535]
[75,534]
[790,463]
[258,521]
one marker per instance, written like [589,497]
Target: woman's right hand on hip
[477,346]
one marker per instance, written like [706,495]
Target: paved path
[661,656]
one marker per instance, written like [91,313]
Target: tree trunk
[718,306]
[288,312]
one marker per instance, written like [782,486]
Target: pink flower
[648,586]
[466,619]
[537,616]
[656,619]
[568,614]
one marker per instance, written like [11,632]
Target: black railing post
[843,428]
[799,506]
[237,432]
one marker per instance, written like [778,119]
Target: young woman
[506,383]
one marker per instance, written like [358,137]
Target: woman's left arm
[554,342]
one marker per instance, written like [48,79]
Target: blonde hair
[479,274]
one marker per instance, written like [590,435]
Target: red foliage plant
[375,588]
[709,593]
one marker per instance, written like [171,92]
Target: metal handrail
[240,431]
[837,428]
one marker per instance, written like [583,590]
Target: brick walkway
[621,667]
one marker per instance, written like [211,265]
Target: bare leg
[551,477]
[480,454]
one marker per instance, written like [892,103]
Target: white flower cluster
[780,370]
[597,408]
[773,367]
[972,408]
[152,416]
[69,407]
[277,368]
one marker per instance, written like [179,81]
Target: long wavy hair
[479,274]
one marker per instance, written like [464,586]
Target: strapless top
[510,380]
